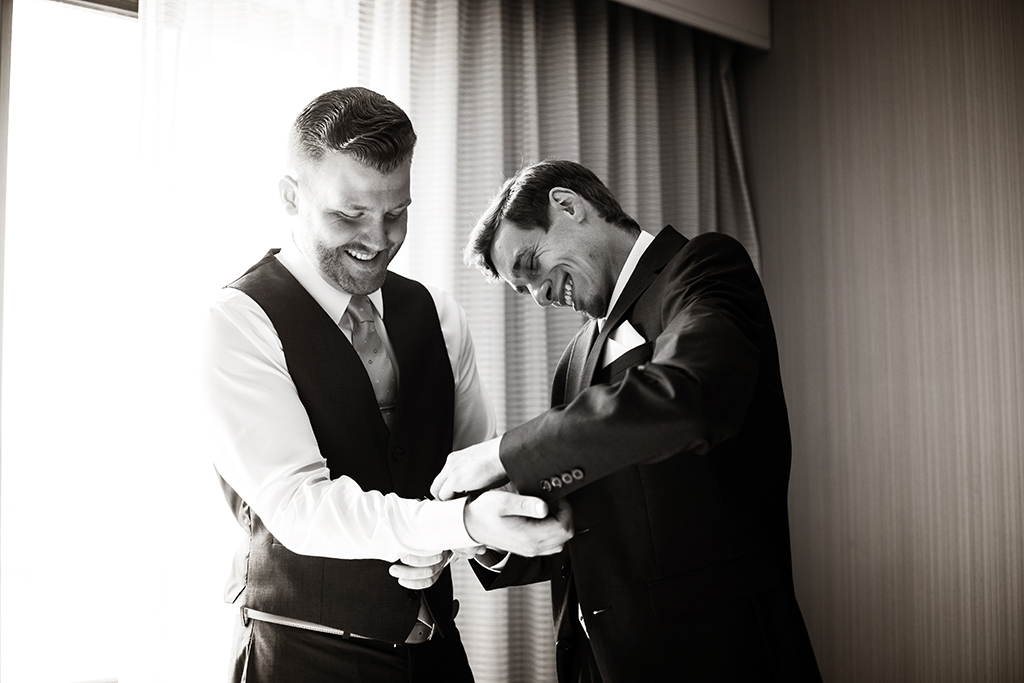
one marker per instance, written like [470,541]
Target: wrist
[492,559]
[468,521]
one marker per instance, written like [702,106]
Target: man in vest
[337,389]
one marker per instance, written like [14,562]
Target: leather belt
[421,632]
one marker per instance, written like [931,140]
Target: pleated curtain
[490,85]
[646,103]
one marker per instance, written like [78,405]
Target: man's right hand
[518,524]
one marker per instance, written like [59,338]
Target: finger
[416,584]
[564,514]
[401,571]
[466,553]
[454,487]
[561,531]
[445,485]
[407,573]
[435,486]
[424,560]
[552,550]
[416,578]
[515,505]
[446,557]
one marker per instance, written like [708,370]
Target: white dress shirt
[266,451]
[621,338]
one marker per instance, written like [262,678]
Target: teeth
[567,294]
[360,255]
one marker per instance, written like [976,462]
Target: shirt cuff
[446,523]
[497,566]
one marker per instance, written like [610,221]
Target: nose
[541,293]
[374,233]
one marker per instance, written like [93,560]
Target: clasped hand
[422,571]
[476,468]
[501,520]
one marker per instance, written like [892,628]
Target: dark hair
[356,121]
[523,200]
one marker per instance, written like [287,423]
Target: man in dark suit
[668,435]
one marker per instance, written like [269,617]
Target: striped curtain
[490,85]
[646,103]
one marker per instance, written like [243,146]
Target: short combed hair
[523,200]
[355,121]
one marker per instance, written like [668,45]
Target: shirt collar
[331,299]
[639,247]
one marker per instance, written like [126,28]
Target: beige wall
[885,143]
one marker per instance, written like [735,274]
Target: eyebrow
[398,207]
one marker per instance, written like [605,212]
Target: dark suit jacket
[675,459]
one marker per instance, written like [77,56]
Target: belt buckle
[423,629]
[421,633]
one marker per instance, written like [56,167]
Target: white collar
[331,299]
[639,247]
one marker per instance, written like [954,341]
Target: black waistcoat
[354,595]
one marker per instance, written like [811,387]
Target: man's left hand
[422,571]
[419,571]
[472,469]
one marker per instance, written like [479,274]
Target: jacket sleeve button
[577,474]
[567,478]
[563,644]
[556,482]
[545,486]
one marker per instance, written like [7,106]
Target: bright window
[71,443]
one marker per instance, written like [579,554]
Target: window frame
[123,7]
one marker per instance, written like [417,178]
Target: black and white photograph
[511,341]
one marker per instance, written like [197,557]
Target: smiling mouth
[567,292]
[362,255]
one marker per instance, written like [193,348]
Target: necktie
[368,344]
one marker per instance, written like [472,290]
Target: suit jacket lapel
[662,249]
[576,380]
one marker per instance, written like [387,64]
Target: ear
[568,202]
[287,189]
